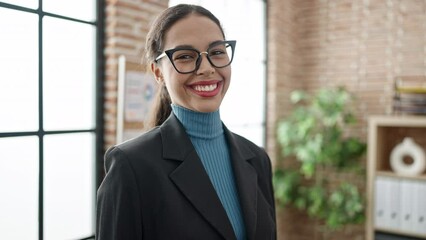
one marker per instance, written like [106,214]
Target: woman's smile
[206,88]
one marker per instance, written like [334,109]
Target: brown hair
[154,46]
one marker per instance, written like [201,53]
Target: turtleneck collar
[199,124]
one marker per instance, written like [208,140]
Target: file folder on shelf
[420,208]
[380,202]
[406,205]
[393,200]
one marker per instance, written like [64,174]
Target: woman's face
[204,89]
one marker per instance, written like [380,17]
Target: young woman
[188,177]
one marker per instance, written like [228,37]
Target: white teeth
[205,88]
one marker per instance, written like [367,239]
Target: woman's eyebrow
[214,42]
[184,46]
[187,46]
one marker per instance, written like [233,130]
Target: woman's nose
[205,66]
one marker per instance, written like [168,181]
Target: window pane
[19,188]
[69,186]
[80,9]
[18,71]
[247,26]
[23,3]
[68,74]
[253,132]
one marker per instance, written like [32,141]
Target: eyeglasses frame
[169,54]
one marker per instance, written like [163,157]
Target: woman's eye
[184,57]
[216,52]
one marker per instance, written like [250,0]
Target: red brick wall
[282,63]
[363,45]
[126,25]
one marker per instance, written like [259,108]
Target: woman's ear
[157,73]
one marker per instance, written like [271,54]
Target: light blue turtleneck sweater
[206,133]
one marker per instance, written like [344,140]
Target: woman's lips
[206,88]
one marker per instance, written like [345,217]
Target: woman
[188,177]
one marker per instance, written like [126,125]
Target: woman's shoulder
[146,141]
[148,138]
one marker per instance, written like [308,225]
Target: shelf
[392,174]
[383,137]
[398,121]
[384,133]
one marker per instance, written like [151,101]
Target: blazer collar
[192,179]
[246,179]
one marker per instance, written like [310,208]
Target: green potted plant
[315,134]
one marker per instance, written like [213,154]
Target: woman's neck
[199,124]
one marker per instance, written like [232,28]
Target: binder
[393,213]
[380,202]
[419,213]
[406,205]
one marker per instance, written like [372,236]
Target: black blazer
[156,188]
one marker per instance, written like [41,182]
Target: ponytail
[160,109]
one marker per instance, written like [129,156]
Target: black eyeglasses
[188,60]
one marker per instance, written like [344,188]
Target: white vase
[408,148]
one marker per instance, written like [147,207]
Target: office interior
[72,84]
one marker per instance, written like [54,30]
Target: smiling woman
[188,177]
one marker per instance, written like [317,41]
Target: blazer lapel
[191,178]
[246,179]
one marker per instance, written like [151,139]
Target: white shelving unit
[384,133]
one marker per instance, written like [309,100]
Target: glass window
[18,71]
[80,9]
[23,3]
[68,74]
[56,130]
[19,188]
[69,186]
